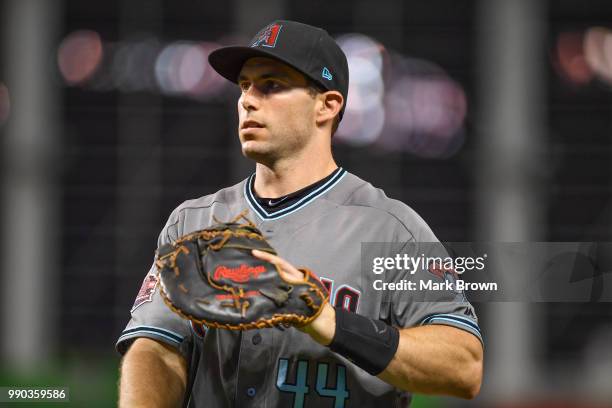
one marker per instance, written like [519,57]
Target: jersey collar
[303,202]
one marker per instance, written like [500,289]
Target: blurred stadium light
[182,68]
[425,112]
[394,102]
[79,55]
[133,65]
[400,104]
[598,52]
[580,56]
[570,60]
[178,69]
[364,111]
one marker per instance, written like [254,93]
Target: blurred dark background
[472,135]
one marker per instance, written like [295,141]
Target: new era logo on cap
[268,36]
[326,74]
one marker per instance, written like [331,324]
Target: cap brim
[228,61]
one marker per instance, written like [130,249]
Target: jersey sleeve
[438,303]
[150,317]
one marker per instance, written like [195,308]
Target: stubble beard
[283,144]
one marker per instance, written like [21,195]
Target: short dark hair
[314,89]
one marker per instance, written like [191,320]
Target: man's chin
[251,151]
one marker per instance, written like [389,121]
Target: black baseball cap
[310,50]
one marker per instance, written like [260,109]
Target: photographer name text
[458,285]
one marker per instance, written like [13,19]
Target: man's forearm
[150,377]
[431,359]
[436,359]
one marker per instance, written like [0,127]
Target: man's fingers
[266,256]
[272,259]
[289,271]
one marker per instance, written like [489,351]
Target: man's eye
[244,86]
[271,86]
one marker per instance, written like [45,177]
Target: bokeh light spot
[79,55]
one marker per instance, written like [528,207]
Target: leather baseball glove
[211,277]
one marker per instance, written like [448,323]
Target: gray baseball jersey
[286,368]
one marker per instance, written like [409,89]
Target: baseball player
[366,348]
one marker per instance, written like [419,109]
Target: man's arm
[152,375]
[433,359]
[436,359]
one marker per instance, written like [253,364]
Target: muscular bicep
[152,374]
[169,356]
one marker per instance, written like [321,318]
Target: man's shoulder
[361,194]
[198,213]
[225,196]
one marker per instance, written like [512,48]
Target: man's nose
[250,98]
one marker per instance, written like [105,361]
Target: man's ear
[330,106]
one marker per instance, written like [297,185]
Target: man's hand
[321,329]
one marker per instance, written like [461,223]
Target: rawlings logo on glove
[211,277]
[241,274]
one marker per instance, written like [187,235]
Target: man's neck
[289,176]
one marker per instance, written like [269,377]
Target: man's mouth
[251,124]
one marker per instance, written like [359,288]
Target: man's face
[275,110]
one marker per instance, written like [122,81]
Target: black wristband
[368,343]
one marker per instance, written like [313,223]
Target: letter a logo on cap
[326,74]
[268,36]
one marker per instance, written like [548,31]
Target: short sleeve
[150,317]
